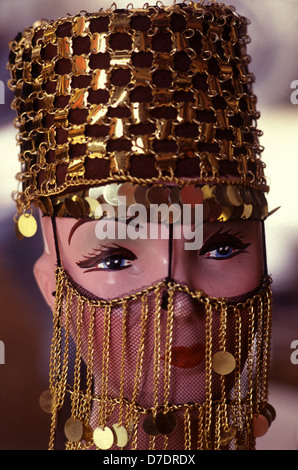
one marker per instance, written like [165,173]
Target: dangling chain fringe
[224,422]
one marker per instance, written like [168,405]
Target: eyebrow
[75,226]
[83,221]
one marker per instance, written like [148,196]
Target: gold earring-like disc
[45,401]
[223,362]
[103,437]
[27,225]
[149,426]
[121,436]
[260,425]
[73,430]
[166,422]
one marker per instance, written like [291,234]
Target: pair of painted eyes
[120,261]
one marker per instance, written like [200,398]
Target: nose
[184,266]
[185,306]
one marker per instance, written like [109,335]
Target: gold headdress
[140,102]
[142,96]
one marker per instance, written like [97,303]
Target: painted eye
[222,252]
[110,259]
[114,263]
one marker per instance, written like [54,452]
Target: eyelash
[225,241]
[213,244]
[93,262]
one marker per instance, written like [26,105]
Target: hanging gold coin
[166,422]
[233,196]
[45,401]
[121,436]
[73,430]
[110,193]
[149,426]
[271,411]
[87,433]
[260,425]
[223,362]
[27,225]
[103,437]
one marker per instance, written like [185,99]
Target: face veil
[164,368]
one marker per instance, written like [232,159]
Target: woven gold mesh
[156,94]
[113,364]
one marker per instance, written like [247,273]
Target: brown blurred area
[25,324]
[26,321]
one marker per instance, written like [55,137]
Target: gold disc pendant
[149,426]
[45,401]
[166,422]
[120,434]
[103,437]
[27,225]
[223,362]
[73,430]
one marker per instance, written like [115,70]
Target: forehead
[72,231]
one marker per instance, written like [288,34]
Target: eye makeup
[224,240]
[110,256]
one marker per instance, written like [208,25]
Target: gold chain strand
[105,363]
[187,429]
[217,435]
[200,443]
[259,345]
[156,348]
[139,364]
[208,372]
[238,406]
[56,341]
[250,357]
[55,356]
[267,344]
[222,345]
[122,368]
[168,348]
[78,360]
[134,440]
[166,442]
[65,361]
[90,363]
[152,442]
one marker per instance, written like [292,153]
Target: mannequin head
[167,336]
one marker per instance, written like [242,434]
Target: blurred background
[25,320]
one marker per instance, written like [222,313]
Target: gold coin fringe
[101,417]
[220,202]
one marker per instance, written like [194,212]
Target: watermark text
[2,353]
[294,355]
[294,94]
[137,221]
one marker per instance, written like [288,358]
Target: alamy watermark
[151,222]
[2,353]
[294,94]
[2,92]
[294,355]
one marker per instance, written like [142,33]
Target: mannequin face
[229,262]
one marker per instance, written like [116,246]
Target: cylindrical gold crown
[158,94]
